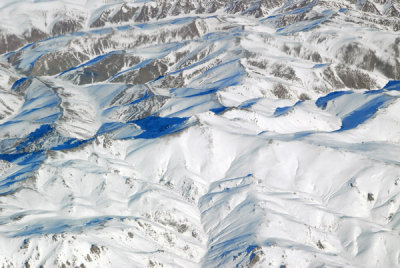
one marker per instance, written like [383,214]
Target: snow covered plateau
[200,133]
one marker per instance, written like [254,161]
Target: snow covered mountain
[189,133]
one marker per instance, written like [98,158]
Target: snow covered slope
[199,133]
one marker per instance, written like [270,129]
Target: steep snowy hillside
[190,133]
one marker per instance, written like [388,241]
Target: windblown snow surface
[199,134]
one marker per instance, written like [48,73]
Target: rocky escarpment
[69,19]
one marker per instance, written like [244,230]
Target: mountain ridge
[227,133]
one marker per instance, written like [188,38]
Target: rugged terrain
[234,133]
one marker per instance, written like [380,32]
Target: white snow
[213,170]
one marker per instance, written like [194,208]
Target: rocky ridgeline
[382,14]
[100,46]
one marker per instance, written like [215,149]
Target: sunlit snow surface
[182,164]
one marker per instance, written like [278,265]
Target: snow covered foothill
[183,197]
[199,133]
